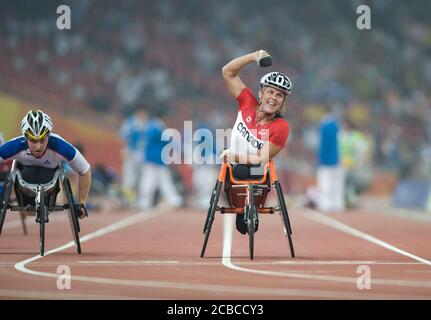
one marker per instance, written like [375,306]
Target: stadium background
[119,55]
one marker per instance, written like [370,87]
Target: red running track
[155,255]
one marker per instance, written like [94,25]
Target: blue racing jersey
[58,150]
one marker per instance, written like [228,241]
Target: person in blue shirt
[330,175]
[156,174]
[132,134]
[204,164]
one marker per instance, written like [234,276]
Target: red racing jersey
[247,136]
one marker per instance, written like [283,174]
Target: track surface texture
[366,253]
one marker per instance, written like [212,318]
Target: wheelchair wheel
[210,207]
[5,200]
[210,216]
[41,216]
[285,216]
[73,219]
[72,201]
[251,216]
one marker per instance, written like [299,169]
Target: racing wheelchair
[43,201]
[247,197]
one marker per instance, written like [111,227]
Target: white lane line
[132,262]
[136,218]
[346,262]
[323,219]
[174,263]
[264,263]
[226,261]
[58,295]
[219,289]
[223,289]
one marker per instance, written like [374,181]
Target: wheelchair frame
[44,203]
[250,211]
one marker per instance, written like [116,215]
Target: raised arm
[231,71]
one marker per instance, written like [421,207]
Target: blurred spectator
[330,173]
[156,174]
[356,157]
[132,132]
[118,52]
[204,167]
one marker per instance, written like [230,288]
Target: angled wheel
[7,190]
[285,216]
[210,207]
[68,189]
[211,215]
[73,219]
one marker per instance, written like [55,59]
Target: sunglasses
[36,141]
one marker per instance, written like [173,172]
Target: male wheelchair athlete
[40,198]
[248,197]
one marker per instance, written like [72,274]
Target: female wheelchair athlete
[247,197]
[39,198]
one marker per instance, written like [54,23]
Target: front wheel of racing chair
[41,214]
[251,216]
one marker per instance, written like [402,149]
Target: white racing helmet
[36,125]
[278,81]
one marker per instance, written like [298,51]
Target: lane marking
[60,295]
[131,262]
[226,261]
[175,263]
[203,287]
[136,218]
[220,289]
[347,262]
[323,219]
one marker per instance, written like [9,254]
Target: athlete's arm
[231,71]
[77,162]
[9,149]
[84,186]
